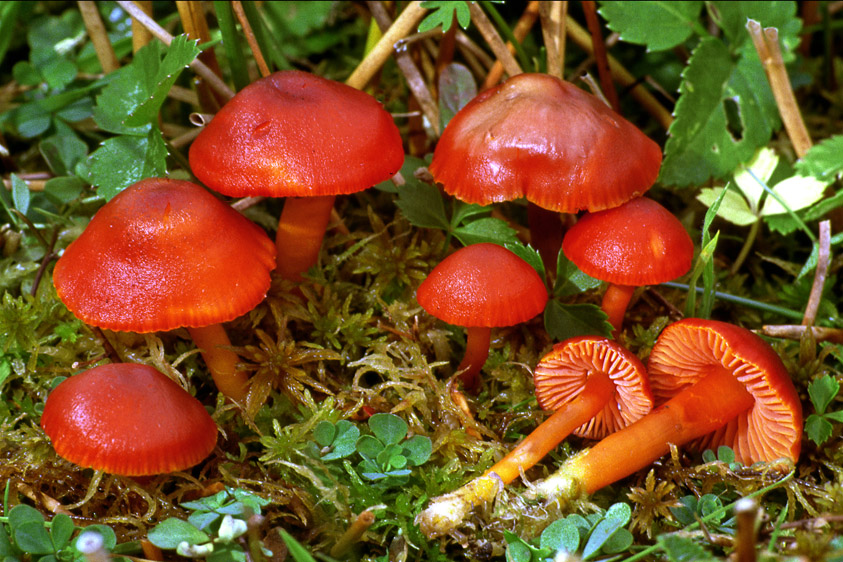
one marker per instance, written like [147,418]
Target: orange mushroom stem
[614,383]
[615,302]
[221,361]
[301,229]
[477,340]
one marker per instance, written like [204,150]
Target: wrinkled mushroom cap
[483,285]
[687,350]
[539,137]
[638,243]
[127,419]
[561,375]
[164,254]
[293,133]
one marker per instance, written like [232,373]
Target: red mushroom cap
[483,285]
[297,134]
[127,419]
[638,243]
[689,349]
[561,376]
[164,254]
[539,137]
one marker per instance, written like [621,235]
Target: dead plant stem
[250,37]
[522,27]
[493,39]
[99,36]
[820,274]
[600,55]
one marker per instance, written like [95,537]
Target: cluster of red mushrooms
[142,265]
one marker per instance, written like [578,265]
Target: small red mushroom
[297,135]
[127,419]
[595,386]
[480,287]
[638,243]
[724,382]
[165,254]
[539,137]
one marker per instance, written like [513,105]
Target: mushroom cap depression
[687,350]
[127,419]
[561,375]
[164,254]
[483,285]
[638,243]
[295,134]
[539,137]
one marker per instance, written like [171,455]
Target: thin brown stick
[493,39]
[746,512]
[353,534]
[766,42]
[820,275]
[99,36]
[159,32]
[522,27]
[554,19]
[141,35]
[403,25]
[650,104]
[797,331]
[250,37]
[411,73]
[600,55]
[196,27]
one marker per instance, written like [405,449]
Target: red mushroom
[480,287]
[539,137]
[165,254]
[594,385]
[729,383]
[296,135]
[127,419]
[638,243]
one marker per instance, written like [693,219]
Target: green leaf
[456,88]
[295,549]
[818,429]
[388,428]
[160,77]
[822,391]
[682,549]
[733,207]
[725,454]
[781,15]
[570,280]
[324,433]
[369,446]
[32,537]
[418,449]
[561,536]
[422,205]
[618,542]
[836,416]
[344,442]
[797,192]
[124,160]
[487,229]
[63,152]
[443,13]
[61,530]
[659,25]
[824,160]
[616,517]
[563,321]
[762,166]
[170,532]
[9,12]
[703,141]
[20,194]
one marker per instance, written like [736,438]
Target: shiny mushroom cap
[483,285]
[293,133]
[689,349]
[164,254]
[539,137]
[127,419]
[561,376]
[638,243]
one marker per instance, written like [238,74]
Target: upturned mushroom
[721,383]
[480,287]
[297,135]
[165,254]
[127,419]
[638,243]
[541,138]
[595,386]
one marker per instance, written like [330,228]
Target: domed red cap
[297,134]
[127,419]
[161,255]
[483,285]
[539,137]
[639,243]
